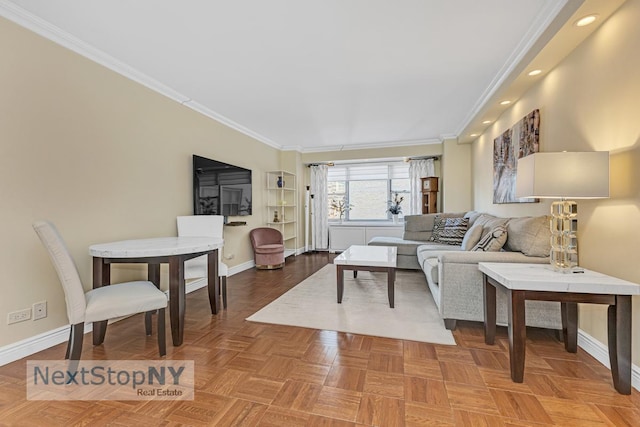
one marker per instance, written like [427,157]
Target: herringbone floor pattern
[250,374]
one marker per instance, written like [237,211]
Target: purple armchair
[268,248]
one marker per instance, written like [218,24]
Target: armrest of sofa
[474,257]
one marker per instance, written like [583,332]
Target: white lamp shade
[578,175]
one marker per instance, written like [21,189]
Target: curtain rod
[343,162]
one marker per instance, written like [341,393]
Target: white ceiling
[313,75]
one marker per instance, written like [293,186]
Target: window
[362,191]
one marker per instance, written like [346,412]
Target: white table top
[368,256]
[159,246]
[542,277]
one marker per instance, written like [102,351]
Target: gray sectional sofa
[452,270]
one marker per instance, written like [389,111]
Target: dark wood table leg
[569,311]
[176,298]
[619,328]
[101,277]
[213,281]
[355,274]
[517,334]
[153,275]
[340,282]
[391,279]
[489,312]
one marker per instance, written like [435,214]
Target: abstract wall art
[521,140]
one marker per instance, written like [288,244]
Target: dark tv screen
[220,188]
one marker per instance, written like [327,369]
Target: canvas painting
[519,141]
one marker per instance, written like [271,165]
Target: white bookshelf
[282,200]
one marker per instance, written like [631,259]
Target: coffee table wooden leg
[489,312]
[569,312]
[517,334]
[340,282]
[619,328]
[355,273]
[391,279]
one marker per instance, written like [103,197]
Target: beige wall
[590,101]
[456,177]
[102,157]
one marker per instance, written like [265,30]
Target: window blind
[374,171]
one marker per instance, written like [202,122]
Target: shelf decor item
[582,175]
[280,182]
[275,216]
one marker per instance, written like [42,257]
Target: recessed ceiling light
[473,135]
[505,103]
[589,19]
[534,72]
[486,122]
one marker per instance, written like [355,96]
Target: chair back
[66,269]
[201,225]
[265,236]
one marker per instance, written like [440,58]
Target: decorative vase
[280,182]
[395,218]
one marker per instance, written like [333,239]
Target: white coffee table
[540,282]
[368,258]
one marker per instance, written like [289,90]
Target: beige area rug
[365,306]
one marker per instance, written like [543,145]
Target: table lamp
[564,175]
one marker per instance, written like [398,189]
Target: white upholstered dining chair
[205,226]
[101,304]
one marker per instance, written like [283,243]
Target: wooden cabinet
[282,209]
[429,194]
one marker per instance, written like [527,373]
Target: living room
[123,169]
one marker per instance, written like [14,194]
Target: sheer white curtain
[420,168]
[320,207]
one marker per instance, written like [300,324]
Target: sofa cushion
[489,222]
[529,235]
[492,241]
[450,231]
[420,227]
[472,237]
[405,247]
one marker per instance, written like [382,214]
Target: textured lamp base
[564,236]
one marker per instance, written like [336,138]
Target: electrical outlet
[18,316]
[230,256]
[39,310]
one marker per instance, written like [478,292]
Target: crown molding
[540,32]
[364,146]
[53,33]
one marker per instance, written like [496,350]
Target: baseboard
[28,346]
[601,353]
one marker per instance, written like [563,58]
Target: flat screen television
[220,188]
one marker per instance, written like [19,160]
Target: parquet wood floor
[250,374]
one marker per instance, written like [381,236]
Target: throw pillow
[449,231]
[492,241]
[529,235]
[472,237]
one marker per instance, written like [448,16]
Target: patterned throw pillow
[449,231]
[492,241]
